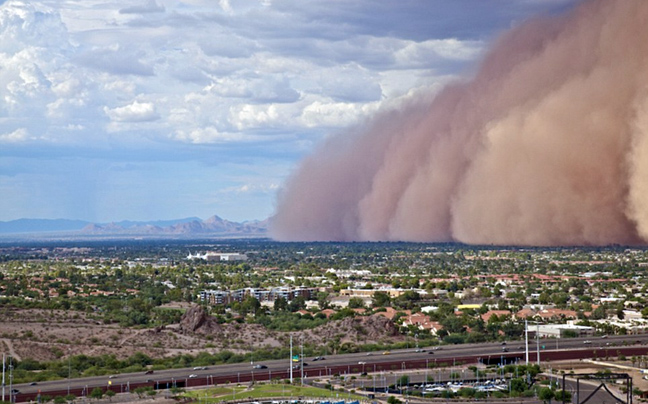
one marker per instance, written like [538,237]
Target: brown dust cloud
[547,144]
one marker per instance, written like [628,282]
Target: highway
[488,353]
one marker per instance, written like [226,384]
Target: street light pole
[538,342]
[11,394]
[3,377]
[301,343]
[526,340]
[290,366]
[69,373]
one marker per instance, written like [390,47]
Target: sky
[164,109]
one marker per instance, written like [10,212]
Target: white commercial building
[561,330]
[216,256]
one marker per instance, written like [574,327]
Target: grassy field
[234,392]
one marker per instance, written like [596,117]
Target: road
[488,353]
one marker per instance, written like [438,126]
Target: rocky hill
[356,330]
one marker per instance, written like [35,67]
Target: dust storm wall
[547,144]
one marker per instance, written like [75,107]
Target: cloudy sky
[162,109]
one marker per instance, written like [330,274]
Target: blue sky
[162,109]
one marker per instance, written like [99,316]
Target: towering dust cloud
[546,145]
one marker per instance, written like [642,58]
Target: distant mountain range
[187,227]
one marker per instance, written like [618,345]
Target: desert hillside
[50,334]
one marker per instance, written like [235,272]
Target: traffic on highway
[355,363]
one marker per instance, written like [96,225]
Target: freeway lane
[575,348]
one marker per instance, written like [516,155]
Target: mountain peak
[187,227]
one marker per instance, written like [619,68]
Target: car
[15,391]
[503,342]
[149,380]
[296,367]
[258,366]
[192,376]
[419,350]
[318,358]
[33,383]
[431,353]
[587,342]
[148,372]
[605,336]
[362,363]
[369,354]
[436,348]
[197,368]
[505,349]
[204,368]
[112,376]
[386,353]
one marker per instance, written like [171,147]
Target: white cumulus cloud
[135,112]
[18,135]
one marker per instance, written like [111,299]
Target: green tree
[518,385]
[297,303]
[250,305]
[356,303]
[140,391]
[562,395]
[546,395]
[323,300]
[393,400]
[380,299]
[110,394]
[280,304]
[97,393]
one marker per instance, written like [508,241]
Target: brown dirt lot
[50,334]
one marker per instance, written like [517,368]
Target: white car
[193,376]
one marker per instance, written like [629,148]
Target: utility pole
[11,397]
[538,342]
[301,343]
[3,377]
[526,340]
[290,365]
[69,372]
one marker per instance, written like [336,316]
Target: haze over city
[164,109]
